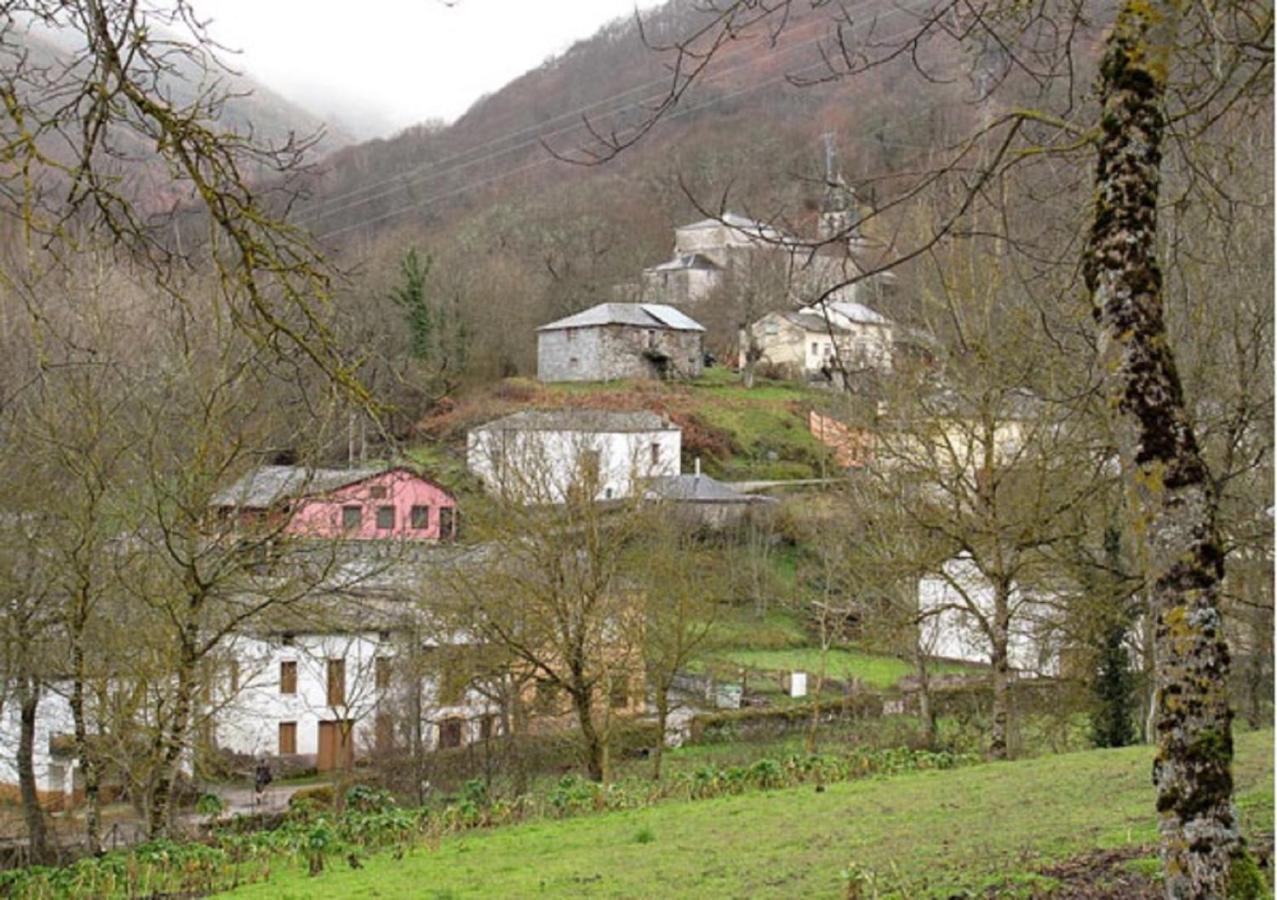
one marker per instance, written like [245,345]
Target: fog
[376,67]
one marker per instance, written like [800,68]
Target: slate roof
[812,319]
[642,315]
[686,261]
[814,322]
[266,486]
[857,312]
[749,226]
[699,489]
[588,420]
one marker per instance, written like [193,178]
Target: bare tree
[681,581]
[560,585]
[1168,76]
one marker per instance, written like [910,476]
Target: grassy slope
[926,834]
[874,670]
[737,432]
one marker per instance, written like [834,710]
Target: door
[336,744]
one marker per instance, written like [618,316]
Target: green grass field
[874,670]
[928,834]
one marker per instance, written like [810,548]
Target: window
[771,328]
[420,517]
[590,466]
[656,454]
[447,524]
[383,672]
[233,668]
[288,676]
[336,682]
[377,492]
[450,732]
[619,694]
[351,517]
[487,727]
[287,738]
[452,684]
[547,698]
[385,732]
[815,348]
[385,518]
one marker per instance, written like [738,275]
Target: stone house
[705,252]
[361,504]
[685,279]
[541,455]
[620,340]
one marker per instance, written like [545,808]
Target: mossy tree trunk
[1175,497]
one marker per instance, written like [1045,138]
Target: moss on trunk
[1174,495]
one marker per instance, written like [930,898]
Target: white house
[810,343]
[329,697]
[951,603]
[52,753]
[539,455]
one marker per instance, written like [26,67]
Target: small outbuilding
[621,340]
[704,500]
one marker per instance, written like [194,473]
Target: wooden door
[336,744]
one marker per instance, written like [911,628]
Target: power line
[444,166]
[402,180]
[682,112]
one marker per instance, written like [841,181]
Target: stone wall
[609,352]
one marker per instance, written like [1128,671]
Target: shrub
[316,795]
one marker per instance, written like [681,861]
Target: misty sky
[379,65]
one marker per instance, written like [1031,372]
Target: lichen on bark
[1201,843]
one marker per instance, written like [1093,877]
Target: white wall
[53,717]
[540,466]
[951,628]
[249,722]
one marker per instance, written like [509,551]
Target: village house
[360,504]
[831,267]
[951,604]
[540,455]
[620,340]
[326,690]
[699,500]
[818,343]
[54,765]
[707,250]
[685,279]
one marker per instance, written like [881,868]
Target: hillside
[745,121]
[1084,820]
[738,434]
[249,108]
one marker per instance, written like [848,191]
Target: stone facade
[620,340]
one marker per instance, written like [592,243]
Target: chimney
[696,467]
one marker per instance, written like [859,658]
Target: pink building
[352,504]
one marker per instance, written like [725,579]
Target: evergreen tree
[1112,725]
[411,295]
